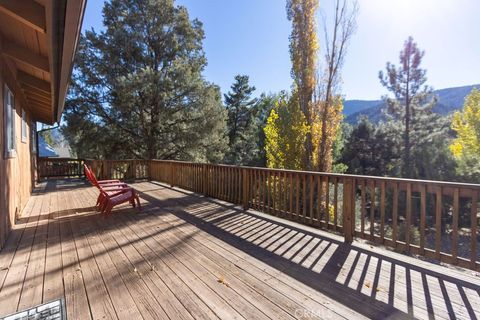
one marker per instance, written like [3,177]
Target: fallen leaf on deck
[367,284]
[222,281]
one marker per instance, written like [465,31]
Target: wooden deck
[185,256]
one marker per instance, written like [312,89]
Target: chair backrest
[87,172]
[90,175]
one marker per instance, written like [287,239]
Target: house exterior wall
[17,173]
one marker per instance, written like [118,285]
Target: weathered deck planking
[190,257]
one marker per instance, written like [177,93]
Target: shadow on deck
[373,281]
[188,256]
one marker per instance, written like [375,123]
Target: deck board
[190,257]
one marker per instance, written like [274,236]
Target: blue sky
[251,37]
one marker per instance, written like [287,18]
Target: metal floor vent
[54,310]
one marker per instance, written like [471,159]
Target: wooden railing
[120,169]
[436,220]
[60,167]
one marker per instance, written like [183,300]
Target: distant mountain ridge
[449,100]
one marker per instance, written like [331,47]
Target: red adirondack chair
[122,196]
[93,179]
[107,186]
[112,192]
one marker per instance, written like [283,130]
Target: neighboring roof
[38,40]
[63,151]
[45,150]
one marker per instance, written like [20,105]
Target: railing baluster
[264,191]
[395,213]
[290,186]
[456,200]
[423,213]
[274,194]
[372,210]
[348,209]
[382,211]
[254,189]
[473,225]
[438,222]
[363,209]
[408,220]
[311,197]
[319,197]
[327,200]
[297,198]
[268,189]
[335,201]
[304,197]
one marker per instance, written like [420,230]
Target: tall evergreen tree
[263,108]
[242,133]
[370,150]
[138,89]
[412,101]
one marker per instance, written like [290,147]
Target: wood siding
[17,174]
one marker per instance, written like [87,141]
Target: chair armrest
[109,185]
[108,181]
[115,188]
[119,192]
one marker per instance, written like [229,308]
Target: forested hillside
[449,100]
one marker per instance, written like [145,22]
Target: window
[33,137]
[24,126]
[9,111]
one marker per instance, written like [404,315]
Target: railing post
[348,209]
[172,174]
[245,188]
[204,178]
[150,169]
[105,169]
[134,169]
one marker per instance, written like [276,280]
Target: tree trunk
[408,171]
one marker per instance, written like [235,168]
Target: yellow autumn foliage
[466,123]
[285,134]
[334,117]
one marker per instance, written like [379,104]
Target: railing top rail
[345,176]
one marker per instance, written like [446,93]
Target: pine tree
[370,150]
[263,108]
[412,101]
[138,89]
[241,124]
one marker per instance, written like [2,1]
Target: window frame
[9,121]
[33,137]
[24,127]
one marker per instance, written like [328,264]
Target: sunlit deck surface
[185,256]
